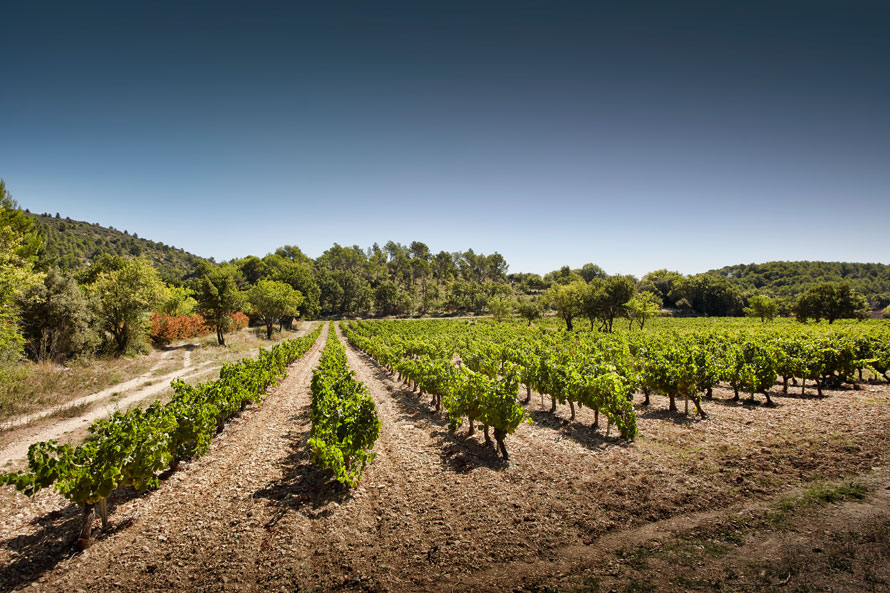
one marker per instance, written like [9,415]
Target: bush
[169,328]
[239,321]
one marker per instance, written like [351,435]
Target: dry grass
[28,387]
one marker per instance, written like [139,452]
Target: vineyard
[382,463]
[132,448]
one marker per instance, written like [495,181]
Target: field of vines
[474,370]
[475,455]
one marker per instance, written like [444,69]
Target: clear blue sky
[636,135]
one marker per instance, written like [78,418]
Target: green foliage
[179,301]
[130,449]
[831,301]
[641,308]
[19,247]
[763,307]
[886,312]
[661,282]
[74,245]
[499,308]
[789,279]
[606,298]
[273,301]
[218,295]
[707,294]
[124,292]
[344,418]
[530,310]
[568,300]
[56,318]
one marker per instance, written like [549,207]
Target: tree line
[56,307]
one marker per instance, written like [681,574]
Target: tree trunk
[769,401]
[499,438]
[596,417]
[735,390]
[85,539]
[710,393]
[103,513]
[697,401]
[572,407]
[528,393]
[685,404]
[803,384]
[673,405]
[568,324]
[269,328]
[219,336]
[646,395]
[472,429]
[552,404]
[487,438]
[784,384]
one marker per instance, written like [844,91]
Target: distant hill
[73,245]
[790,278]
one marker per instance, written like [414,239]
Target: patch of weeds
[838,562]
[72,411]
[592,585]
[817,495]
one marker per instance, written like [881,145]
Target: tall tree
[19,247]
[831,300]
[568,300]
[56,318]
[219,297]
[124,292]
[272,301]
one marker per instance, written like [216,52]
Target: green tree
[591,271]
[19,247]
[219,297]
[499,307]
[124,292]
[530,310]
[179,301]
[56,318]
[568,300]
[831,300]
[604,299]
[273,301]
[707,294]
[763,307]
[641,308]
[661,282]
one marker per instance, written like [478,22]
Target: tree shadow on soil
[461,453]
[588,436]
[304,487]
[56,540]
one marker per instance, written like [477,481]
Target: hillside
[74,244]
[790,278]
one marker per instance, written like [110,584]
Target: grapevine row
[131,448]
[463,392]
[345,424]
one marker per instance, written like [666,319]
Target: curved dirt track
[121,396]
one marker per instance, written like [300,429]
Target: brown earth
[438,511]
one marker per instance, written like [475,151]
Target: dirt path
[206,523]
[40,426]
